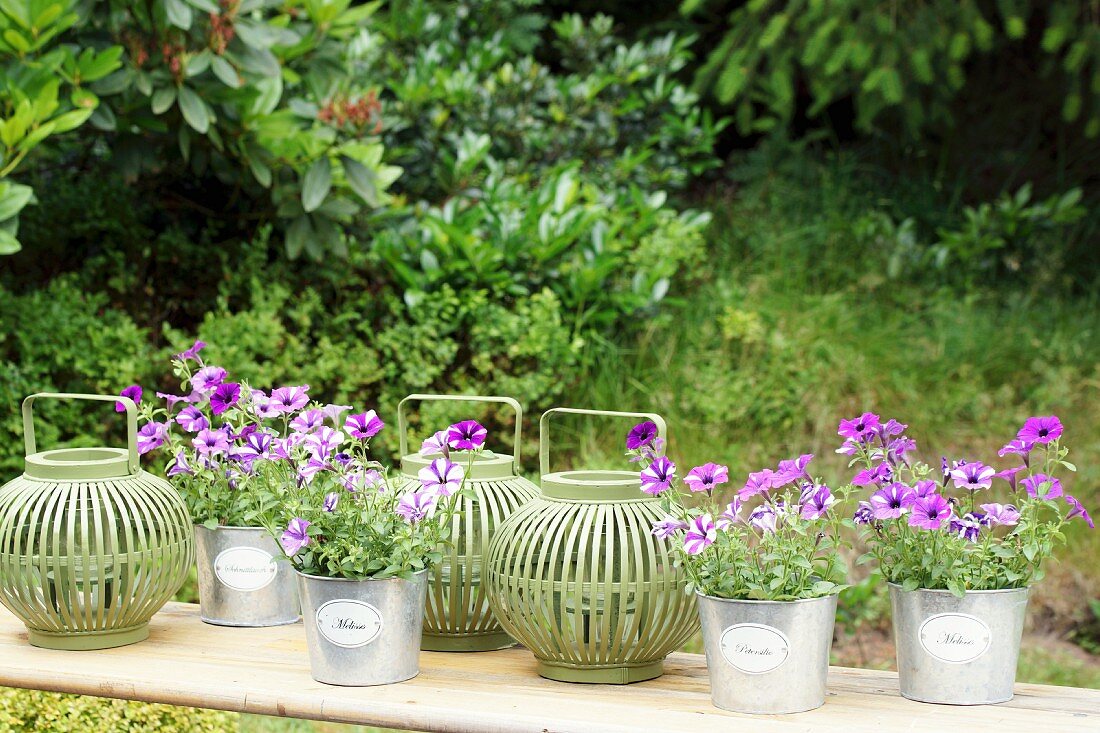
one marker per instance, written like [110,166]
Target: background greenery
[754,217]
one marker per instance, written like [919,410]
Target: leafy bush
[26,711]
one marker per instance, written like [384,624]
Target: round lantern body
[577,576]
[91,546]
[457,616]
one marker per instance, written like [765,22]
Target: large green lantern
[457,617]
[91,546]
[577,576]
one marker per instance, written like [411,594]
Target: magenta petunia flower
[1016,447]
[729,516]
[792,469]
[151,436]
[180,466]
[171,399]
[899,448]
[889,429]
[706,477]
[924,488]
[211,442]
[285,400]
[192,420]
[1040,429]
[193,352]
[416,505]
[848,448]
[322,442]
[437,443]
[312,467]
[668,526]
[133,392]
[466,435]
[1001,514]
[307,421]
[295,537]
[859,428]
[225,396]
[930,512]
[816,502]
[880,474]
[1077,510]
[363,426]
[700,535]
[206,380]
[972,476]
[263,405]
[1009,475]
[641,434]
[864,513]
[764,518]
[657,477]
[328,504]
[891,501]
[1041,486]
[760,482]
[441,476]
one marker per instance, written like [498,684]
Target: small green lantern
[457,616]
[91,546]
[577,576]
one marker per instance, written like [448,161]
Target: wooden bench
[266,671]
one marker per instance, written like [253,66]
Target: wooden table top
[266,671]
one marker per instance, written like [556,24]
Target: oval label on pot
[349,623]
[754,648]
[245,568]
[956,638]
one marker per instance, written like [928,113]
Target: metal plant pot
[363,632]
[244,578]
[958,651]
[767,657]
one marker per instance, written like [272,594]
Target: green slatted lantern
[457,617]
[91,546]
[577,576]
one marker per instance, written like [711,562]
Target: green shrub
[26,711]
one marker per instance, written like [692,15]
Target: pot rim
[228,526]
[990,591]
[417,575]
[765,602]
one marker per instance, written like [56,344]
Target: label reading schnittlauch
[349,623]
[956,638]
[754,648]
[245,569]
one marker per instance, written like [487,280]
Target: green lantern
[457,617]
[577,576]
[91,546]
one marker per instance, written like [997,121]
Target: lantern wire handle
[401,431]
[544,428]
[131,421]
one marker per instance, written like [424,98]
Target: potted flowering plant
[222,437]
[766,569]
[959,561]
[362,546]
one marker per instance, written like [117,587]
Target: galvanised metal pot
[958,651]
[458,617]
[577,576]
[363,632]
[767,657]
[91,546]
[244,578]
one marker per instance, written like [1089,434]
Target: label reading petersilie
[754,648]
[349,623]
[957,638]
[245,568]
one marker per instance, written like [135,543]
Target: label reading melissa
[956,638]
[245,568]
[349,623]
[754,648]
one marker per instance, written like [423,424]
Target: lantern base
[609,675]
[466,642]
[80,641]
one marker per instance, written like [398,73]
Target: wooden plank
[266,671]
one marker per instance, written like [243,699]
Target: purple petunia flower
[363,426]
[256,445]
[133,392]
[285,400]
[891,501]
[859,428]
[1041,486]
[1009,475]
[225,396]
[973,476]
[357,480]
[848,448]
[171,399]
[898,449]
[668,526]
[864,513]
[437,443]
[1001,514]
[760,482]
[764,518]
[816,501]
[1016,447]
[641,434]
[312,467]
[211,442]
[880,474]
[700,535]
[924,488]
[792,469]
[333,412]
[192,420]
[1040,430]
[193,352]
[180,466]
[466,435]
[930,512]
[307,421]
[151,436]
[657,477]
[968,527]
[206,380]
[329,502]
[323,442]
[295,537]
[706,477]
[416,505]
[730,516]
[263,406]
[889,429]
[441,476]
[1077,510]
